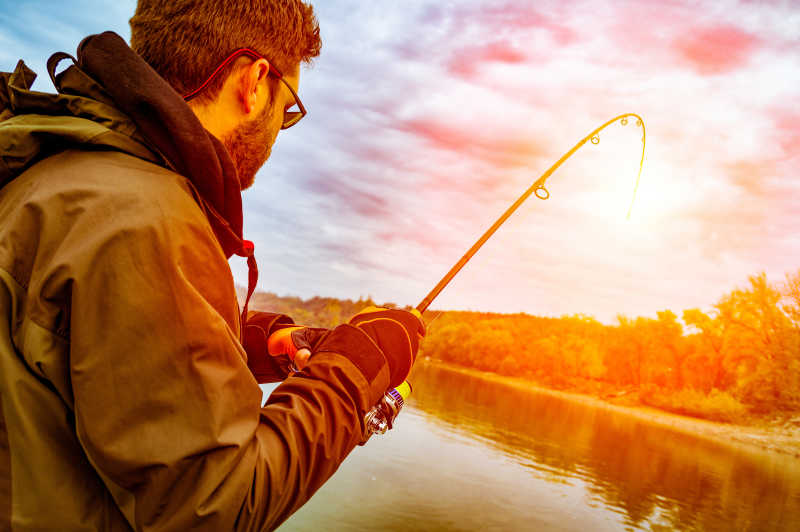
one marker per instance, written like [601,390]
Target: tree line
[738,359]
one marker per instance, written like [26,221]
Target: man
[129,393]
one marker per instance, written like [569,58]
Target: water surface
[470,453]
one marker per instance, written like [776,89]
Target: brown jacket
[126,401]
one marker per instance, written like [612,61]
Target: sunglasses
[290,118]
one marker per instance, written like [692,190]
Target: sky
[427,119]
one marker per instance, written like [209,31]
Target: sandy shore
[781,438]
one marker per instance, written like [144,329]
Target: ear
[251,78]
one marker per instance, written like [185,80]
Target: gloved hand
[397,333]
[276,363]
[291,346]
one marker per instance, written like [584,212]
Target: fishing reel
[381,417]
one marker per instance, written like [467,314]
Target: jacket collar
[169,127]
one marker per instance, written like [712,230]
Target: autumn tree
[706,367]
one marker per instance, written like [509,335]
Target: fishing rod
[381,417]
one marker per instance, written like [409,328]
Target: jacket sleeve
[166,408]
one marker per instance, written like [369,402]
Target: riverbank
[781,437]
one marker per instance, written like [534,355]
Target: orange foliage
[743,355]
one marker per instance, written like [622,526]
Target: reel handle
[381,417]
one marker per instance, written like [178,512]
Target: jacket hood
[110,98]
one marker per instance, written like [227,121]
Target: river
[471,453]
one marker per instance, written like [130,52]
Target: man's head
[185,41]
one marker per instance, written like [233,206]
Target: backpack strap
[53,62]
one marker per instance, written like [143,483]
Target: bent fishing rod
[381,417]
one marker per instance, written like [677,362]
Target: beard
[250,145]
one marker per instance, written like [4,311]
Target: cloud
[343,189]
[480,143]
[471,35]
[787,129]
[427,119]
[521,16]
[716,49]
[513,91]
[751,177]
[466,61]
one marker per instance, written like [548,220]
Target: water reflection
[651,476]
